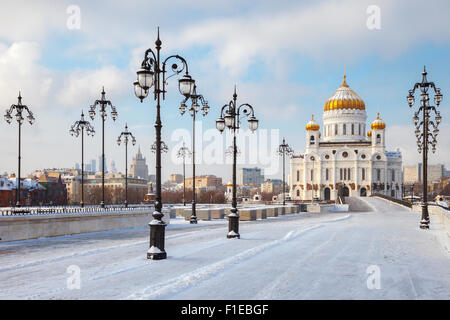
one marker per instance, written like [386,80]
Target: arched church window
[311,140]
[353,129]
[344,129]
[378,138]
[298,175]
[298,193]
[335,129]
[326,174]
[359,129]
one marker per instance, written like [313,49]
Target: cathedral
[344,159]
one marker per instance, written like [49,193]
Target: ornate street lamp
[19,108]
[183,152]
[284,149]
[230,118]
[78,126]
[195,107]
[424,135]
[126,135]
[103,104]
[148,76]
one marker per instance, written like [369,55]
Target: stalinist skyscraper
[139,168]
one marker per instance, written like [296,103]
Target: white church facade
[344,159]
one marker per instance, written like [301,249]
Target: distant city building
[93,166]
[176,178]
[55,188]
[413,174]
[272,186]
[77,166]
[250,176]
[139,168]
[112,167]
[100,164]
[152,178]
[87,167]
[209,182]
[32,193]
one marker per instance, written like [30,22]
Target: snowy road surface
[301,256]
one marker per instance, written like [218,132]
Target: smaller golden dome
[312,125]
[378,124]
[369,133]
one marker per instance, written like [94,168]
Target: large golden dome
[378,123]
[312,125]
[344,98]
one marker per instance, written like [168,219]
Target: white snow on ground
[300,256]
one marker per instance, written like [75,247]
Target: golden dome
[312,125]
[369,133]
[378,124]
[344,98]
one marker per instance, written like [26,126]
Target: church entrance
[346,191]
[363,192]
[326,194]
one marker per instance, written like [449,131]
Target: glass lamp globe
[186,85]
[139,91]
[145,78]
[253,123]
[220,124]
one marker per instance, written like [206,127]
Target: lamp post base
[425,222]
[157,235]
[102,204]
[233,226]
[193,220]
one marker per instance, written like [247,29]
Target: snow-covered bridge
[376,251]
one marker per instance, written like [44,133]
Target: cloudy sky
[285,57]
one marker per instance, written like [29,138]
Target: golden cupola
[344,98]
[312,125]
[378,124]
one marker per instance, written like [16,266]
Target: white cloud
[81,87]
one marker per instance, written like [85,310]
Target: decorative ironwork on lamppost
[148,76]
[103,104]
[230,118]
[195,107]
[75,129]
[424,135]
[283,150]
[20,109]
[184,152]
[126,135]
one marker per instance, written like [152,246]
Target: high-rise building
[413,174]
[250,176]
[87,167]
[100,164]
[77,166]
[112,167]
[93,165]
[139,168]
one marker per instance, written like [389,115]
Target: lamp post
[230,118]
[20,108]
[126,135]
[78,126]
[284,149]
[150,75]
[195,107]
[183,152]
[103,104]
[424,134]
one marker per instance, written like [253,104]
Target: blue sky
[286,58]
